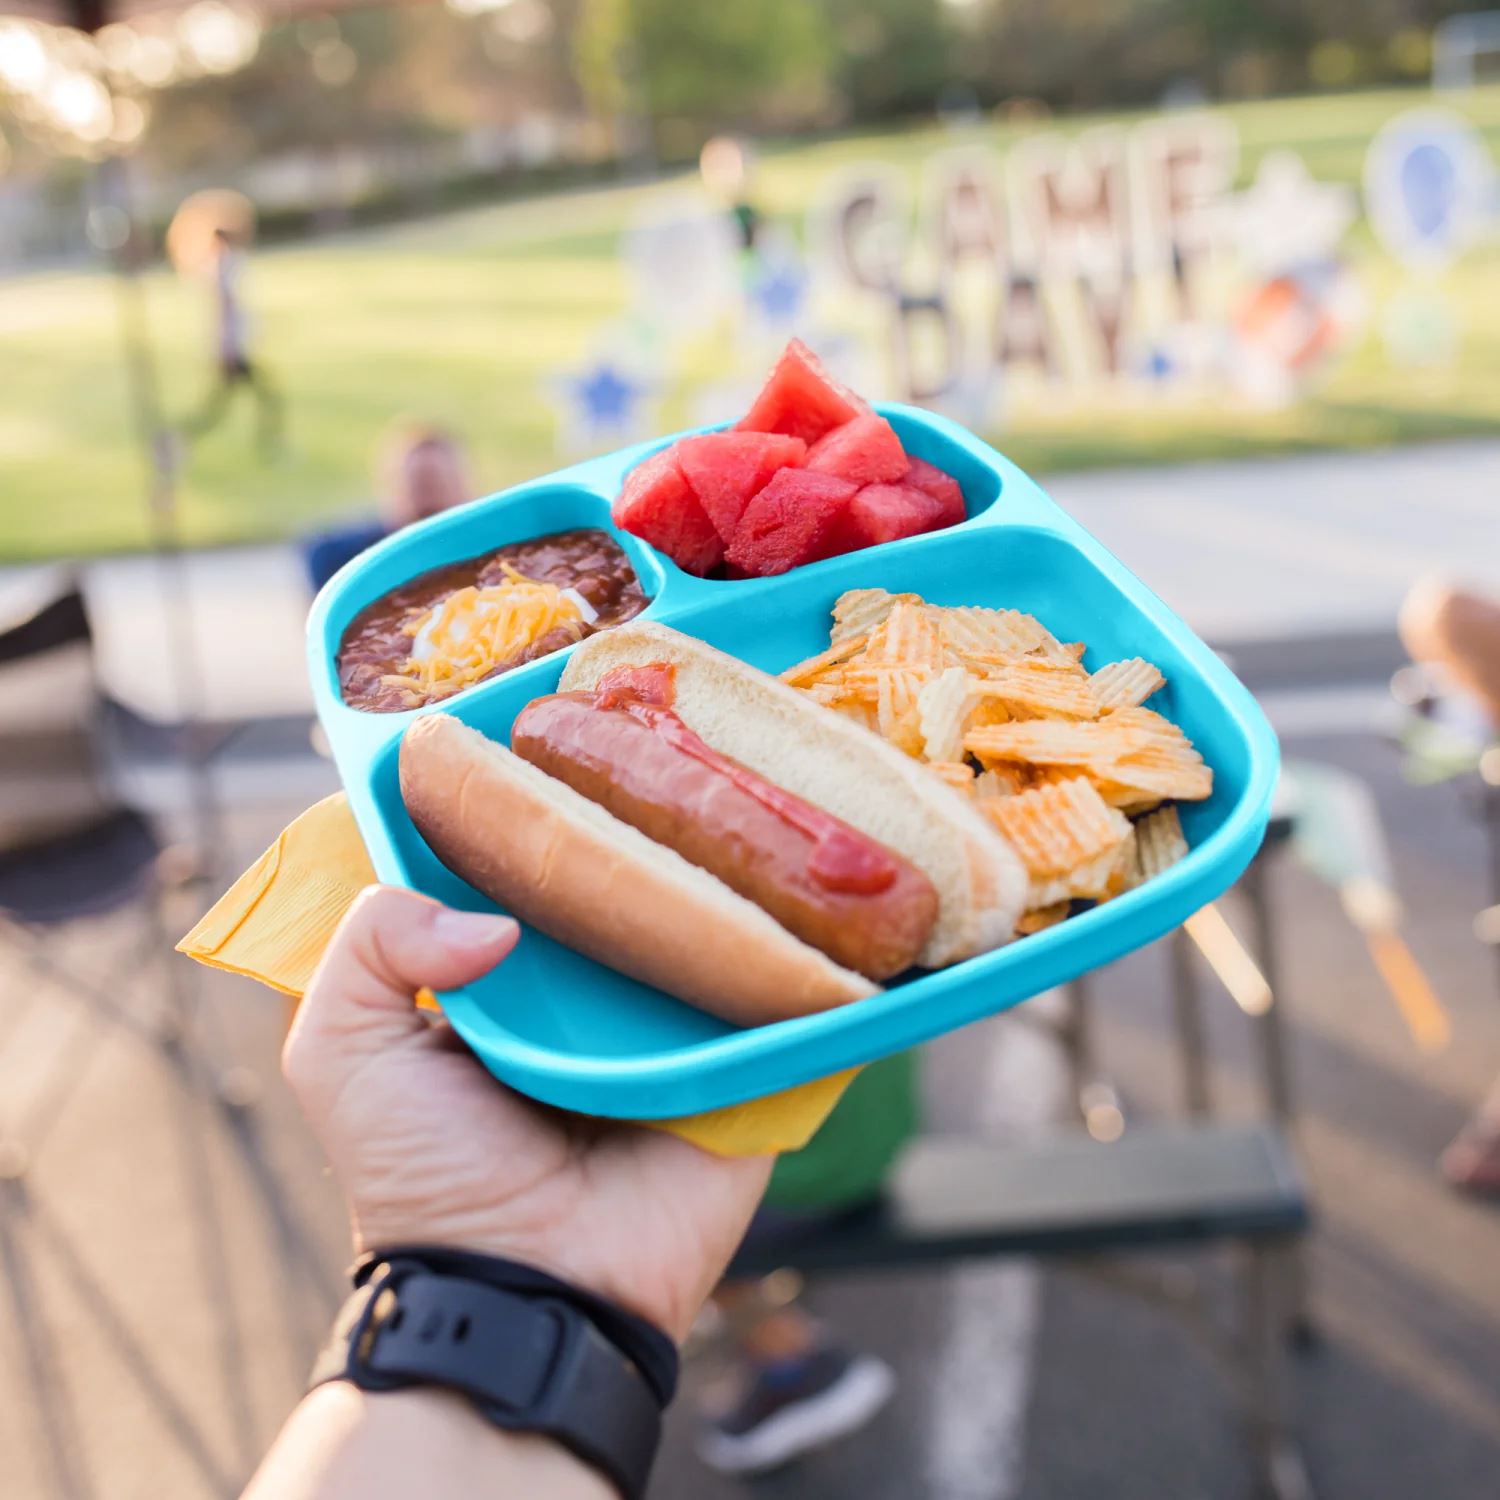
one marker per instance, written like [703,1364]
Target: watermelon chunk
[886,513]
[801,398]
[726,470]
[658,505]
[940,485]
[864,449]
[790,522]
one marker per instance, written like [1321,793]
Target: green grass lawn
[463,318]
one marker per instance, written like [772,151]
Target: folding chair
[69,851]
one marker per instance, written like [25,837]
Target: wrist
[343,1443]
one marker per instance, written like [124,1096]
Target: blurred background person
[727,169]
[421,471]
[1453,633]
[234,366]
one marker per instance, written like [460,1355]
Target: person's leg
[211,411]
[1458,633]
[765,1329]
[270,408]
[796,1387]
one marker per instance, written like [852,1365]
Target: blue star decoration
[606,396]
[600,403]
[1159,364]
[778,292]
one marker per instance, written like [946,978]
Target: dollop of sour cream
[587,610]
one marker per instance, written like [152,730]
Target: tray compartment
[536,510]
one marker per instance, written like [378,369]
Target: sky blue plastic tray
[566,1030]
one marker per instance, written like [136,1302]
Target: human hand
[429,1148]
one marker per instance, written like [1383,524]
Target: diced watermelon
[790,522]
[800,397]
[940,485]
[886,513]
[658,505]
[864,449]
[727,469]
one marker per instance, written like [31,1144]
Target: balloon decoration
[1430,195]
[1429,187]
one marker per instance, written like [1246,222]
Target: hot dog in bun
[693,822]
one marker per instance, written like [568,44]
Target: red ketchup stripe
[842,859]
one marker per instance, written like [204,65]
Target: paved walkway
[1287,547]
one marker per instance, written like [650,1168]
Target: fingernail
[472,929]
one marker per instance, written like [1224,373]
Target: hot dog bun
[835,764]
[567,867]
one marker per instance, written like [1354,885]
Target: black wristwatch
[531,1352]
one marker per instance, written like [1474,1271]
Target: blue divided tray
[568,1031]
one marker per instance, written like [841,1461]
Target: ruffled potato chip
[1043,917]
[957,773]
[805,673]
[995,633]
[1058,828]
[942,705]
[897,712]
[1159,844]
[1002,780]
[1125,684]
[908,637]
[1036,687]
[859,611]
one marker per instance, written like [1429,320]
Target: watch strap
[640,1341]
[529,1363]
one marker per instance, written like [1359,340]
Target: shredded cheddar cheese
[474,630]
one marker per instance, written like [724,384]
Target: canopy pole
[125,245]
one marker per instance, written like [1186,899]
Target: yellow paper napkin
[273,923]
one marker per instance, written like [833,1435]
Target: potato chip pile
[1069,764]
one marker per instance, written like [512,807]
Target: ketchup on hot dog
[842,859]
[624,747]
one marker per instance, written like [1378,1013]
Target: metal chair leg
[1276,1071]
[1281,1472]
[1077,1038]
[1097,1099]
[1187,1006]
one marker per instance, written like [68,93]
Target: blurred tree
[1096,52]
[893,56]
[1080,53]
[696,69]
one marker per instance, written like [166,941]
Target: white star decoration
[1288,219]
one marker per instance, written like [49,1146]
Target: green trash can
[846,1162]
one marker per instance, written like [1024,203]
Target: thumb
[389,945]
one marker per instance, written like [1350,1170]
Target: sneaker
[791,1409]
